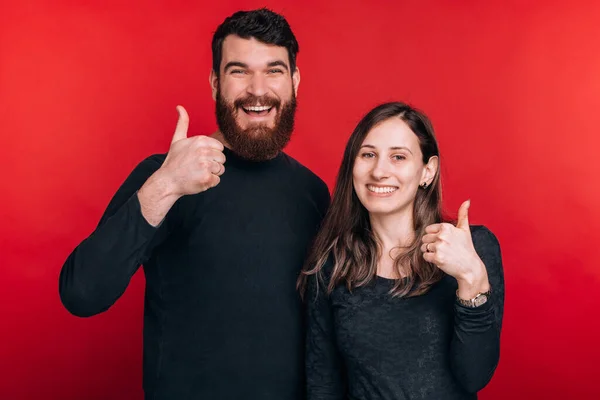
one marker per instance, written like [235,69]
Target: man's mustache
[254,101]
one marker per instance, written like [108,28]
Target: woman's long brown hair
[346,235]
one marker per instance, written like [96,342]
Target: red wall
[87,91]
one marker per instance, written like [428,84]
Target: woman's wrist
[474,282]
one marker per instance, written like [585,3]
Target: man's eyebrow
[232,64]
[278,63]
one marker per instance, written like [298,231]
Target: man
[222,225]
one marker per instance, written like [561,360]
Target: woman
[401,305]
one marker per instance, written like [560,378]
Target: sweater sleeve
[99,269]
[475,347]
[324,366]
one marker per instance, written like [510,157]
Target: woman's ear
[430,170]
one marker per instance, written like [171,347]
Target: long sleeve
[99,269]
[475,347]
[324,366]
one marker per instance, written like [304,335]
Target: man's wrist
[156,197]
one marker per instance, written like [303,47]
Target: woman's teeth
[382,189]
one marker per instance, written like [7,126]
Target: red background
[513,88]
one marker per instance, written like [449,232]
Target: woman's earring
[424,185]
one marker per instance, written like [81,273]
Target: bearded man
[221,225]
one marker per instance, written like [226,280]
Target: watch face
[480,300]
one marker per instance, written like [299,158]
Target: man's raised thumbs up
[193,165]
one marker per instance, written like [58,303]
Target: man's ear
[213,79]
[296,80]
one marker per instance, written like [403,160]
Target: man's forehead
[251,51]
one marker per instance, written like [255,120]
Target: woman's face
[389,168]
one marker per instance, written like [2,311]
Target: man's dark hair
[263,25]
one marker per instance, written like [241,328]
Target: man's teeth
[257,108]
[382,189]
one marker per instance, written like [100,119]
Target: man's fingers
[215,180]
[218,156]
[212,154]
[207,141]
[216,168]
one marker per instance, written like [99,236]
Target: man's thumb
[182,125]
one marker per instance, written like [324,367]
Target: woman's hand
[451,249]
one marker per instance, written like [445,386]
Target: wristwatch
[476,301]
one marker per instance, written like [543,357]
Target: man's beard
[257,142]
